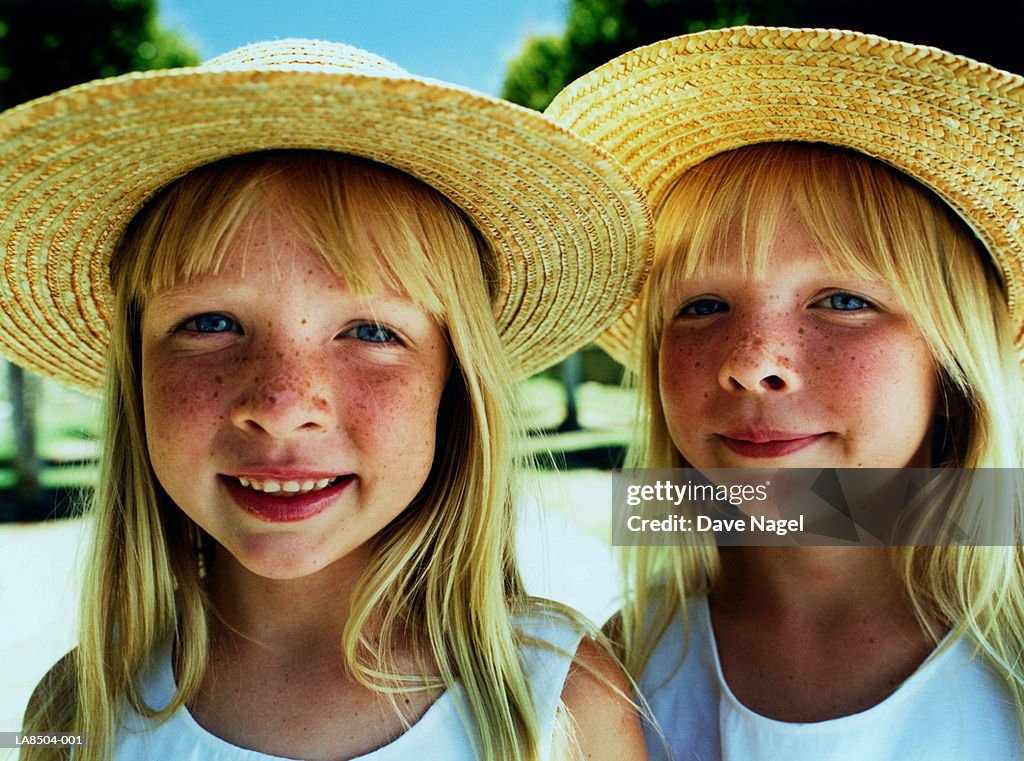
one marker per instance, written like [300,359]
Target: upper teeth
[289,487]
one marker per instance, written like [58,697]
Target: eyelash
[841,294]
[191,325]
[688,309]
[391,336]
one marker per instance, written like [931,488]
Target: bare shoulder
[52,685]
[598,697]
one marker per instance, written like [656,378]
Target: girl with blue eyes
[306,280]
[837,284]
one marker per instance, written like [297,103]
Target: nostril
[773,382]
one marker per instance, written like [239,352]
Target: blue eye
[703,308]
[373,333]
[211,323]
[844,302]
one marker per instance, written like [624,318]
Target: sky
[467,42]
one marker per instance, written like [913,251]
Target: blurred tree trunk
[569,372]
[23,388]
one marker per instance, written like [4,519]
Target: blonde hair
[873,220]
[445,569]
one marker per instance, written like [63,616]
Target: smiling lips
[286,500]
[768,444]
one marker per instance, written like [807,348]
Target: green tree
[45,46]
[540,71]
[598,30]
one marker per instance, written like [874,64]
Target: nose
[281,399]
[759,362]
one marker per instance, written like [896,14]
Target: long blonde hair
[876,221]
[444,570]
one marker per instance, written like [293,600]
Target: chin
[279,558]
[278,569]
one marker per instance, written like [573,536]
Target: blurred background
[525,50]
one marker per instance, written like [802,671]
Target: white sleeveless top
[955,706]
[440,732]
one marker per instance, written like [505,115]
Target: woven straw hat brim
[569,228]
[953,124]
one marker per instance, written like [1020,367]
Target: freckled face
[270,377]
[802,369]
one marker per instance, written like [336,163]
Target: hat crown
[305,55]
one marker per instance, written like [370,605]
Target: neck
[302,615]
[807,581]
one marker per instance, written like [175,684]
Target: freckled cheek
[686,367]
[180,404]
[396,423]
[887,375]
[685,380]
[906,383]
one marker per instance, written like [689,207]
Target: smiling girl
[814,303]
[304,518]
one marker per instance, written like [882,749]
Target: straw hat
[953,124]
[568,228]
